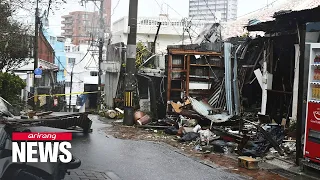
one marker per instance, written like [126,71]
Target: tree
[14,41]
[10,87]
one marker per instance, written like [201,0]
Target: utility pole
[183,27]
[100,46]
[101,41]
[130,80]
[73,64]
[35,56]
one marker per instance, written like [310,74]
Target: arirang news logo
[41,147]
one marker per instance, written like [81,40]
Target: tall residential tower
[80,26]
[213,10]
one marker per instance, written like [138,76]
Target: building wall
[84,71]
[161,44]
[107,14]
[213,10]
[80,25]
[60,55]
[45,51]
[60,60]
[170,33]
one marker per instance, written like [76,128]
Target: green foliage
[245,35]
[14,42]
[10,87]
[142,54]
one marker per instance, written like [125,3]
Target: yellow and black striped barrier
[128,99]
[74,93]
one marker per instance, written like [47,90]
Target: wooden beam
[192,52]
[169,78]
[187,76]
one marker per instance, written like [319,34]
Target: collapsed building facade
[252,90]
[261,80]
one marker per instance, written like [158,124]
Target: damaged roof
[237,27]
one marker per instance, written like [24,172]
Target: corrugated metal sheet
[202,109]
[228,73]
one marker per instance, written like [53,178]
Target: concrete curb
[80,174]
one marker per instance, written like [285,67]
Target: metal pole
[130,64]
[101,37]
[183,27]
[35,55]
[71,88]
[301,96]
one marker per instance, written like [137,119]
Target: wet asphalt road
[130,160]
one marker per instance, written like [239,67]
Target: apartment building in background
[213,10]
[80,26]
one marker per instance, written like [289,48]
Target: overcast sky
[175,9]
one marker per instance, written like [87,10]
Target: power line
[170,21]
[173,9]
[181,16]
[115,8]
[258,9]
[66,69]
[209,9]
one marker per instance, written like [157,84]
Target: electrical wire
[181,16]
[173,9]
[66,69]
[115,8]
[84,55]
[169,20]
[206,1]
[211,68]
[258,9]
[88,63]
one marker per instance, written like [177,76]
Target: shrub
[10,87]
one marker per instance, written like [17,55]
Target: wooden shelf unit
[184,70]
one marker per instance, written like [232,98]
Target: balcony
[66,27]
[66,34]
[67,21]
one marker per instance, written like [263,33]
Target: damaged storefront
[254,98]
[245,95]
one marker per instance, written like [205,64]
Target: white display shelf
[315,64]
[315,82]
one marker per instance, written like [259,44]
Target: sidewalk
[80,174]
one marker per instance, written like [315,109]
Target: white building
[171,31]
[213,10]
[82,62]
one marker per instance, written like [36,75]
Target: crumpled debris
[200,108]
[219,146]
[198,148]
[171,130]
[232,146]
[206,135]
[259,145]
[289,147]
[190,136]
[191,123]
[197,128]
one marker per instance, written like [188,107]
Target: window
[71,60]
[68,84]
[67,48]
[93,73]
[52,39]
